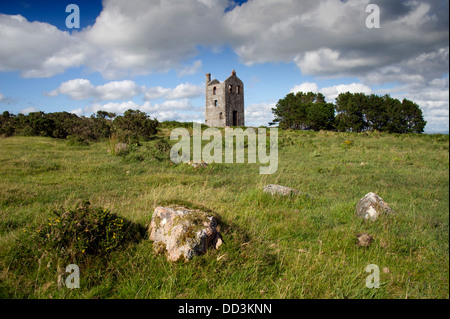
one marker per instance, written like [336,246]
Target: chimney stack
[208,77]
[233,72]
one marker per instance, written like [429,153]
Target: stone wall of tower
[215,104]
[234,101]
[221,104]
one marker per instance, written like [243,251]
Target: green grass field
[297,247]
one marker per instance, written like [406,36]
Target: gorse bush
[82,231]
[157,152]
[79,130]
[160,151]
[136,124]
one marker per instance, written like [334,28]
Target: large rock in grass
[372,206]
[182,233]
[279,190]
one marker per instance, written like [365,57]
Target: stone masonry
[224,101]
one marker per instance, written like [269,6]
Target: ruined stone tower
[224,101]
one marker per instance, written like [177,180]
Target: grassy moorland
[297,247]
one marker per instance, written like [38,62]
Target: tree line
[352,112]
[133,124]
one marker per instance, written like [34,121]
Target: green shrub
[82,231]
[159,152]
[76,140]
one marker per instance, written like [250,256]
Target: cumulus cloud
[325,37]
[37,49]
[81,89]
[190,69]
[181,91]
[185,90]
[79,111]
[156,92]
[2,97]
[305,87]
[330,37]
[139,37]
[331,62]
[29,110]
[433,99]
[259,114]
[331,92]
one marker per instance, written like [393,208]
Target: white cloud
[77,89]
[332,92]
[259,114]
[191,69]
[79,111]
[181,91]
[174,105]
[327,61]
[2,97]
[81,89]
[433,99]
[177,116]
[325,37]
[139,37]
[29,110]
[305,87]
[118,90]
[185,90]
[37,49]
[156,92]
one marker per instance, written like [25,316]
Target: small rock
[364,240]
[274,189]
[120,148]
[182,232]
[281,190]
[386,270]
[372,206]
[197,165]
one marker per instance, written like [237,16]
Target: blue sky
[153,55]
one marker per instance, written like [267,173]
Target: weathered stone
[120,148]
[363,240]
[197,165]
[372,206]
[280,190]
[182,232]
